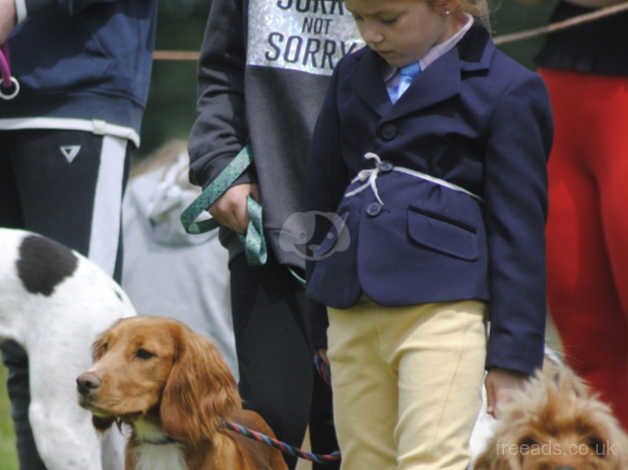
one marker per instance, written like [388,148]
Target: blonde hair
[475,8]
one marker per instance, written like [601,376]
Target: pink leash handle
[10,87]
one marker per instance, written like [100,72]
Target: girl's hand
[230,210]
[500,386]
[322,365]
[322,353]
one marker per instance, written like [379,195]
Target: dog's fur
[173,388]
[556,423]
[54,302]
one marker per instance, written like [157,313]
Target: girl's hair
[473,7]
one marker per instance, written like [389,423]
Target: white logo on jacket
[70,152]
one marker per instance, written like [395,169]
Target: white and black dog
[54,302]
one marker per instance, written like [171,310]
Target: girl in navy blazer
[428,177]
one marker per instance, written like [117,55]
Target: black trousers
[275,357]
[66,185]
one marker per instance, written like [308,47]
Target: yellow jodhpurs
[406,383]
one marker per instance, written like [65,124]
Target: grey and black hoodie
[263,73]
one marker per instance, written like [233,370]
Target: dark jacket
[264,69]
[83,59]
[474,118]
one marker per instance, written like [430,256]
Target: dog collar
[159,442]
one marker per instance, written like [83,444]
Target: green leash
[253,241]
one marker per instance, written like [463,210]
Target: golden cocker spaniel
[172,387]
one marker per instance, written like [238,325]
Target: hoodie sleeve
[220,129]
[29,7]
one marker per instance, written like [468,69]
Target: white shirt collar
[444,47]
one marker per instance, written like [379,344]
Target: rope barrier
[561,25]
[171,55]
[176,55]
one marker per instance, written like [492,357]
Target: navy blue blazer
[474,118]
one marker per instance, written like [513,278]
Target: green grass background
[8,458]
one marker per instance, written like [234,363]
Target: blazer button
[388,131]
[373,209]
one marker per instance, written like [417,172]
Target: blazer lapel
[443,78]
[368,83]
[440,81]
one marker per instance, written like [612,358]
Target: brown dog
[556,423]
[172,387]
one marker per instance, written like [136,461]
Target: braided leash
[9,86]
[282,446]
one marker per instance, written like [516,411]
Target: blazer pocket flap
[443,236]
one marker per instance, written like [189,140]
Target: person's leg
[272,342]
[438,352]
[10,208]
[75,201]
[610,166]
[13,355]
[364,389]
[322,431]
[583,299]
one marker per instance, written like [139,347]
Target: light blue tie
[403,80]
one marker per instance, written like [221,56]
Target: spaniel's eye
[143,354]
[528,442]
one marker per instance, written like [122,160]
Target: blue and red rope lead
[282,446]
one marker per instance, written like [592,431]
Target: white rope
[370,176]
[561,25]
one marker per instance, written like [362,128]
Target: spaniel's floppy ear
[200,390]
[99,347]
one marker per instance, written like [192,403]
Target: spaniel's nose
[86,383]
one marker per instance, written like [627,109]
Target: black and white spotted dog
[54,302]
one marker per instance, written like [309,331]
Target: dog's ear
[200,390]
[101,424]
[99,347]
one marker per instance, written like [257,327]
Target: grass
[8,455]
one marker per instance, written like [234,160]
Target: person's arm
[8,18]
[516,209]
[13,12]
[326,179]
[220,130]
[30,7]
